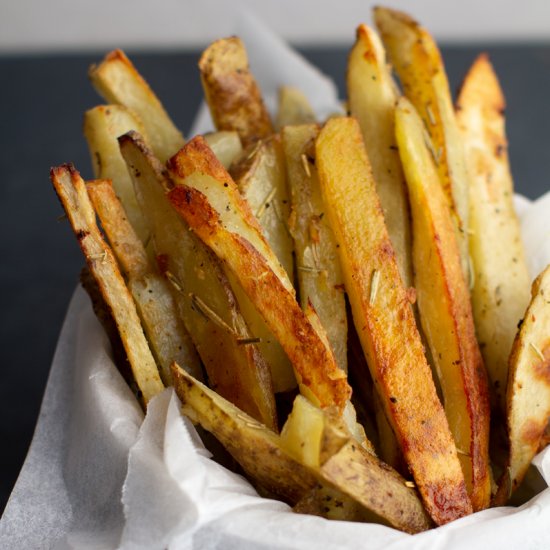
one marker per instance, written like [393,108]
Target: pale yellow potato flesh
[293,108]
[444,306]
[528,394]
[226,146]
[500,291]
[208,200]
[117,81]
[102,126]
[318,266]
[167,336]
[417,61]
[71,191]
[372,96]
[202,293]
[385,321]
[231,92]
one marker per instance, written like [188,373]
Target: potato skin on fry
[385,321]
[231,92]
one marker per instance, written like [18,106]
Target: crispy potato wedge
[500,292]
[167,336]
[102,126]
[318,266]
[71,191]
[385,322]
[231,92]
[208,200]
[117,81]
[261,179]
[263,456]
[372,95]
[226,146]
[528,395]
[293,108]
[419,65]
[202,292]
[444,305]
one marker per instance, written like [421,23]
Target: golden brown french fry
[202,292]
[208,200]
[226,146]
[117,81]
[528,394]
[318,266]
[231,92]
[372,95]
[419,65]
[261,454]
[444,305]
[385,322]
[71,191]
[102,126]
[500,292]
[293,108]
[168,337]
[261,179]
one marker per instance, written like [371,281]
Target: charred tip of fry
[374,282]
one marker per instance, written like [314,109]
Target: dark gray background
[42,100]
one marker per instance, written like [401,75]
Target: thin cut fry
[117,81]
[71,191]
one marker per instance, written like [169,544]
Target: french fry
[385,322]
[202,292]
[500,292]
[318,266]
[264,457]
[293,108]
[372,96]
[71,191]
[528,394]
[117,81]
[418,63]
[231,92]
[261,179]
[208,200]
[445,310]
[102,126]
[168,337]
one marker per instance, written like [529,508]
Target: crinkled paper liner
[100,475]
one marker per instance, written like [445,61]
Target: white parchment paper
[100,475]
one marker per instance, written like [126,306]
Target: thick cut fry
[71,191]
[445,310]
[231,92]
[167,335]
[205,300]
[208,200]
[528,395]
[293,108]
[372,95]
[500,291]
[319,274]
[102,126]
[117,81]
[385,322]
[226,146]
[261,179]
[418,63]
[262,455]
